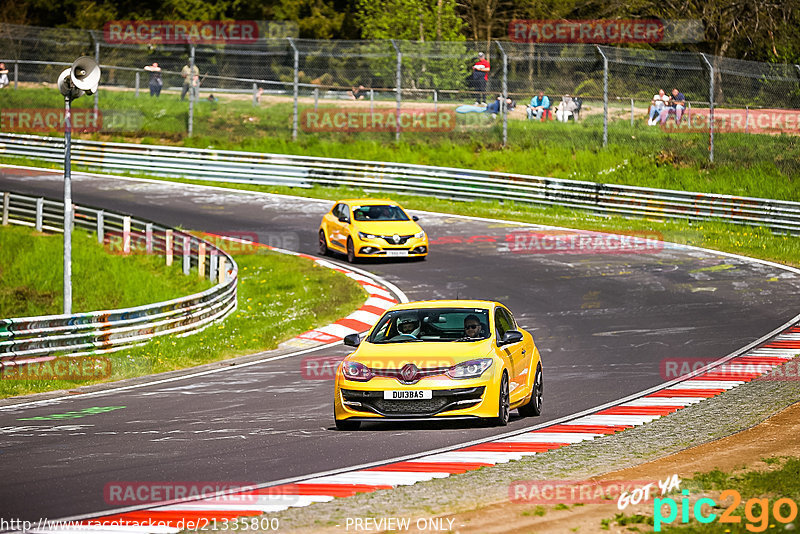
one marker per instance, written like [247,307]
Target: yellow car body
[371,228]
[437,371]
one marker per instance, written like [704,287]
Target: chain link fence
[307,90]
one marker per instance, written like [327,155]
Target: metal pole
[191,87]
[605,96]
[504,93]
[435,101]
[6,200]
[67,209]
[255,94]
[137,85]
[295,87]
[316,98]
[100,226]
[398,89]
[746,117]
[371,101]
[16,74]
[710,108]
[631,112]
[97,59]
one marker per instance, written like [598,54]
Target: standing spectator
[566,108]
[539,105]
[677,103]
[660,101]
[155,79]
[188,75]
[3,76]
[480,76]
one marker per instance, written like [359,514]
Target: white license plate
[409,394]
[397,253]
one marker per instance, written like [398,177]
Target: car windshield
[432,325]
[381,212]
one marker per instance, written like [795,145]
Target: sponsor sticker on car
[409,394]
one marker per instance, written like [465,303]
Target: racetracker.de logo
[64,368]
[121,493]
[377,120]
[756,121]
[559,242]
[180,31]
[49,120]
[586,31]
[571,491]
[744,368]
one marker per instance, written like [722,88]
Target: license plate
[409,394]
[397,253]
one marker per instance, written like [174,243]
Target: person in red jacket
[480,76]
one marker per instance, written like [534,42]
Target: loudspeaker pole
[67,208]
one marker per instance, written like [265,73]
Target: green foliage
[412,20]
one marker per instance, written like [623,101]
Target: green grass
[746,165]
[31,275]
[279,297]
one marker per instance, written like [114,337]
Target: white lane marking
[364,316]
[387,478]
[786,354]
[664,401]
[488,457]
[697,383]
[379,303]
[337,330]
[611,420]
[553,437]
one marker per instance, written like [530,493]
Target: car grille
[397,374]
[403,239]
[441,401]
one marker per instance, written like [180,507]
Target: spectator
[660,101]
[566,108]
[495,107]
[189,75]
[3,76]
[259,94]
[539,105]
[676,105]
[155,79]
[358,94]
[480,76]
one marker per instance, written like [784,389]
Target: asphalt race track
[604,323]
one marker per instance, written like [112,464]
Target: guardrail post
[212,264]
[710,108]
[148,238]
[605,96]
[6,200]
[186,249]
[295,87]
[126,235]
[399,89]
[223,271]
[100,226]
[168,246]
[136,93]
[191,91]
[39,213]
[201,259]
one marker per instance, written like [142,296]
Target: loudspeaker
[85,74]
[65,85]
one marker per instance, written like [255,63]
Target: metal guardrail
[28,339]
[461,184]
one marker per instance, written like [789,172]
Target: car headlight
[356,371]
[420,235]
[362,235]
[470,369]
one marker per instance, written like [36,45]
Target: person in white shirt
[3,76]
[660,100]
[566,108]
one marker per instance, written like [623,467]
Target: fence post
[316,99]
[97,59]
[100,226]
[399,90]
[255,94]
[16,74]
[746,117]
[710,108]
[6,200]
[605,96]
[371,101]
[212,265]
[39,213]
[504,93]
[631,111]
[201,259]
[126,235]
[191,90]
[186,249]
[294,87]
[148,238]
[435,101]
[136,93]
[168,246]
[222,271]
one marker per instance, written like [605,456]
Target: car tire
[351,251]
[534,406]
[323,244]
[347,424]
[502,403]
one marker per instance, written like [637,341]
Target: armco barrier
[303,171]
[28,339]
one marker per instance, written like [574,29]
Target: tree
[412,20]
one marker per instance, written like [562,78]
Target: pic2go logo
[756,511]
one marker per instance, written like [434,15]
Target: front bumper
[380,248]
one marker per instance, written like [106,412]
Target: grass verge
[279,296]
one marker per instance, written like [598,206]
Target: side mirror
[344,219]
[414,218]
[354,340]
[511,337]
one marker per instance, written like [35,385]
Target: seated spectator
[658,104]
[676,105]
[566,108]
[495,107]
[539,106]
[358,94]
[3,76]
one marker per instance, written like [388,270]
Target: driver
[472,326]
[408,325]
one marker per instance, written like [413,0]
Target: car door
[514,351]
[526,353]
[334,226]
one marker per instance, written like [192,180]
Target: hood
[423,354]
[388,227]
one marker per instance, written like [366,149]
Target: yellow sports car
[363,228]
[439,359]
